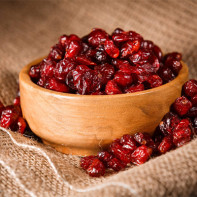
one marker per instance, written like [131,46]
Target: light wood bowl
[84,124]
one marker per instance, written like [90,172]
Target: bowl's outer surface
[82,124]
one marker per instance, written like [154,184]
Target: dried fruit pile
[99,64]
[177,128]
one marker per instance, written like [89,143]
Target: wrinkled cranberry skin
[174,65]
[194,100]
[96,168]
[123,79]
[182,105]
[141,155]
[190,88]
[173,55]
[47,68]
[116,164]
[85,162]
[111,49]
[135,88]
[34,72]
[157,51]
[154,81]
[147,44]
[57,52]
[73,49]
[105,156]
[166,74]
[165,145]
[128,142]
[83,60]
[21,125]
[112,88]
[64,41]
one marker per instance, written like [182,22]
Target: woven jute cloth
[27,30]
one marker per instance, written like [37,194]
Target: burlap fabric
[27,30]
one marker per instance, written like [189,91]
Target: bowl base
[72,150]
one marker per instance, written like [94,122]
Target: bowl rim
[24,76]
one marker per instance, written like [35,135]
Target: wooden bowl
[83,124]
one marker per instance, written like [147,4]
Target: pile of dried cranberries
[100,64]
[177,128]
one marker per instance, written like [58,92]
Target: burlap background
[27,30]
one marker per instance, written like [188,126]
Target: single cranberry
[111,49]
[165,145]
[54,84]
[47,68]
[144,139]
[17,101]
[194,100]
[120,37]
[135,88]
[123,79]
[119,152]
[168,123]
[154,81]
[41,82]
[97,37]
[64,41]
[116,164]
[174,64]
[173,55]
[117,31]
[85,48]
[9,116]
[73,49]
[182,133]
[96,169]
[166,74]
[190,88]
[124,66]
[74,37]
[182,105]
[100,55]
[129,48]
[141,155]
[85,162]
[90,53]
[57,52]
[105,156]
[83,60]
[63,67]
[112,88]
[140,57]
[147,44]
[192,112]
[21,125]
[128,142]
[135,36]
[34,72]
[157,51]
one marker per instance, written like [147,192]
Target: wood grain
[83,124]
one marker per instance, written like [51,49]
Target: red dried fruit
[192,112]
[166,74]
[119,152]
[100,55]
[21,125]
[128,142]
[182,105]
[194,100]
[34,72]
[63,67]
[165,145]
[135,88]
[17,100]
[117,31]
[111,49]
[47,68]
[116,164]
[147,44]
[182,133]
[154,81]
[190,88]
[168,123]
[97,37]
[9,116]
[174,64]
[96,169]
[105,156]
[129,48]
[73,49]
[123,79]
[54,84]
[41,82]
[144,139]
[57,52]
[141,155]
[85,162]
[83,60]
[64,41]
[112,88]
[173,55]
[158,53]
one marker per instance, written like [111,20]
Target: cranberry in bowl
[89,91]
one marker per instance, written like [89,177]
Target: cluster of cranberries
[11,117]
[99,64]
[176,129]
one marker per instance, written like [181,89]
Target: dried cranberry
[135,88]
[120,37]
[168,123]
[194,100]
[54,84]
[117,31]
[116,164]
[173,55]
[123,79]
[140,57]
[154,81]
[128,142]
[174,64]
[111,49]
[57,52]
[166,74]
[63,67]
[85,162]
[96,168]
[16,101]
[157,51]
[165,145]
[47,68]
[100,54]
[21,125]
[112,88]
[64,40]
[34,72]
[41,82]
[141,155]
[82,59]
[96,37]
[147,44]
[129,48]
[190,88]
[73,49]
[192,112]
[182,105]
[105,156]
